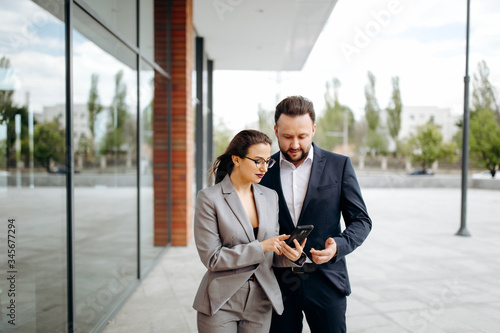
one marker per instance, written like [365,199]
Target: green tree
[9,115]
[147,124]
[119,104]
[375,141]
[484,142]
[426,146]
[222,137]
[5,95]
[8,112]
[49,144]
[372,109]
[266,122]
[332,120]
[115,137]
[483,94]
[85,146]
[94,107]
[484,126]
[394,111]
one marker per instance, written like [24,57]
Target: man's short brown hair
[295,106]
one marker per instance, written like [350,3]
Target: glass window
[119,15]
[147,21]
[32,167]
[149,252]
[105,88]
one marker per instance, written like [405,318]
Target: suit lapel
[318,165]
[276,179]
[260,204]
[234,203]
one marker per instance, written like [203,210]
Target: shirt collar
[308,157]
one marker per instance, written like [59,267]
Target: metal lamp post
[465,137]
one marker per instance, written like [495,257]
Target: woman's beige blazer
[227,246]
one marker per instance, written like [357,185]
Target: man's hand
[330,251]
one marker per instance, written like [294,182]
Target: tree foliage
[484,127]
[376,141]
[372,109]
[394,110]
[120,120]
[426,146]
[483,94]
[5,95]
[9,116]
[94,107]
[332,120]
[266,122]
[49,145]
[8,112]
[222,137]
[484,140]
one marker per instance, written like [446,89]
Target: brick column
[182,144]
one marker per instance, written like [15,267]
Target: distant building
[80,119]
[414,116]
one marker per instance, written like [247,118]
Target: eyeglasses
[261,162]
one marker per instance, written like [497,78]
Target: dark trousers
[315,296]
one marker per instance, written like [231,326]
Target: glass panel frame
[105,200]
[119,16]
[149,252]
[49,202]
[33,208]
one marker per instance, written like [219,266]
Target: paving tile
[356,307]
[403,305]
[411,275]
[367,322]
[393,328]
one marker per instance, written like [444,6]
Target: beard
[298,158]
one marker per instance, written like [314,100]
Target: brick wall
[182,60]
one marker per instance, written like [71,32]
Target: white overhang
[275,35]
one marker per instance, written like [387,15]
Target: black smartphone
[300,233]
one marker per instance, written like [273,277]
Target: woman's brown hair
[223,165]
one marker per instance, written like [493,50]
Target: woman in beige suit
[236,233]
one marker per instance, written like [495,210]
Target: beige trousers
[247,311]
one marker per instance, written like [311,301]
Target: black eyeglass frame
[270,162]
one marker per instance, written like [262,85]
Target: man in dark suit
[314,186]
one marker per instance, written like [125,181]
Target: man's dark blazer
[333,189]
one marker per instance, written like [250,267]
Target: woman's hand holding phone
[293,254]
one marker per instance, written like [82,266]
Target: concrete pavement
[411,275]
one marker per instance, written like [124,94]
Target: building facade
[414,116]
[117,76]
[91,201]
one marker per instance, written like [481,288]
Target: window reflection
[107,152]
[105,90]
[31,148]
[149,252]
[147,28]
[120,15]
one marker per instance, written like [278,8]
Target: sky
[422,42]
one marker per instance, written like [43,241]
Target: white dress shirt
[294,181]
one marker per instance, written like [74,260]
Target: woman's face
[249,169]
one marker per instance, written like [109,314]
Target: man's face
[295,136]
